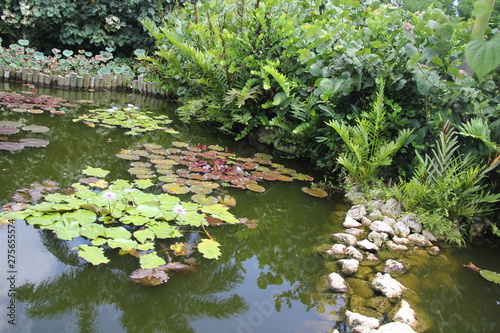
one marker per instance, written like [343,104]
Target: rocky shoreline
[376,249]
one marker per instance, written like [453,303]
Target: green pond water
[268,279]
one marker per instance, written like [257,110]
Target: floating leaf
[255,188]
[92,254]
[199,189]
[165,230]
[300,176]
[227,200]
[149,277]
[8,130]
[11,146]
[97,172]
[143,235]
[315,192]
[151,260]
[490,276]
[101,183]
[143,183]
[127,156]
[175,188]
[179,144]
[29,142]
[209,248]
[182,249]
[36,128]
[263,156]
[8,123]
[204,200]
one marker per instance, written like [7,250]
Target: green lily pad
[255,188]
[127,156]
[97,172]
[179,144]
[92,254]
[199,189]
[204,200]
[151,260]
[209,248]
[143,235]
[36,128]
[490,276]
[175,188]
[300,176]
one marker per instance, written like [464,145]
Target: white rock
[360,323]
[337,283]
[401,240]
[406,315]
[366,221]
[365,244]
[378,238]
[355,232]
[337,249]
[353,252]
[401,229]
[429,235]
[349,266]
[357,212]
[344,238]
[419,240]
[411,220]
[392,208]
[395,327]
[376,214]
[388,286]
[380,226]
[389,220]
[396,247]
[371,257]
[392,265]
[349,222]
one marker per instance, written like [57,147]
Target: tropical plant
[367,145]
[449,184]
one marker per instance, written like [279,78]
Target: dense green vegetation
[306,77]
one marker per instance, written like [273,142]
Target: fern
[368,149]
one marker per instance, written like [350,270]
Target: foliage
[367,146]
[20,55]
[91,25]
[287,68]
[122,217]
[448,185]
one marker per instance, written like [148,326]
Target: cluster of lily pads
[12,127]
[120,216]
[201,170]
[130,117]
[29,102]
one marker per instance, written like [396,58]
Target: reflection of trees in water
[166,308]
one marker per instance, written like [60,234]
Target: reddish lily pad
[29,142]
[36,128]
[8,130]
[315,192]
[149,277]
[8,123]
[11,146]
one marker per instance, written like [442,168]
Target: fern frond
[285,84]
[478,128]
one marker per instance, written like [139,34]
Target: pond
[268,279]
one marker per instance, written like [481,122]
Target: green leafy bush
[83,24]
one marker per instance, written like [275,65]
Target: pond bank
[372,263]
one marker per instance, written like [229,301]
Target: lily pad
[29,142]
[209,248]
[8,123]
[8,130]
[490,276]
[149,277]
[204,200]
[36,128]
[11,146]
[92,254]
[97,172]
[255,188]
[175,188]
[315,192]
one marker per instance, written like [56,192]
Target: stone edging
[82,82]
[365,238]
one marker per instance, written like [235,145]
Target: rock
[366,221]
[406,315]
[394,327]
[337,250]
[349,266]
[376,214]
[380,226]
[419,240]
[429,235]
[401,240]
[390,221]
[401,229]
[379,303]
[371,257]
[353,252]
[388,286]
[396,247]
[392,265]
[337,283]
[360,287]
[355,232]
[412,222]
[366,245]
[349,222]
[357,212]
[378,238]
[360,323]
[433,251]
[392,208]
[344,238]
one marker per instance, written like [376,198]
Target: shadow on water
[268,279]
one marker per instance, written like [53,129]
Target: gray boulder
[420,240]
[344,238]
[392,208]
[412,222]
[349,266]
[388,286]
[392,265]
[377,238]
[350,222]
[354,253]
[401,229]
[406,315]
[380,226]
[360,323]
[357,212]
[394,327]
[366,245]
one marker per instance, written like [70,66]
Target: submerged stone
[360,287]
[344,238]
[380,303]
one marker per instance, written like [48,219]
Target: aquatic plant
[201,169]
[120,216]
[11,127]
[130,117]
[29,102]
